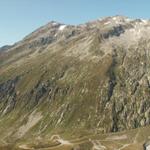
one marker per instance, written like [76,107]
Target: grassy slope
[79,83]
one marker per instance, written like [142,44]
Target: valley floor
[137,139]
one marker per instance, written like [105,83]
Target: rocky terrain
[78,81]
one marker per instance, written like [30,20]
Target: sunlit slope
[74,81]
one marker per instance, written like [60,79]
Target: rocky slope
[76,80]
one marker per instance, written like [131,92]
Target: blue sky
[20,17]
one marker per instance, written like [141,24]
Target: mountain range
[83,87]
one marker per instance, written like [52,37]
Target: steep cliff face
[74,80]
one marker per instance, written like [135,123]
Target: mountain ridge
[56,23]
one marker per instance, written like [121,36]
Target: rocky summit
[83,87]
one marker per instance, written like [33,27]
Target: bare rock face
[8,95]
[93,77]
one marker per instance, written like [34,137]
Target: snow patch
[62,27]
[115,18]
[54,23]
[128,19]
[106,23]
[145,21]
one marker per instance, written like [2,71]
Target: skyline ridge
[19,18]
[61,23]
